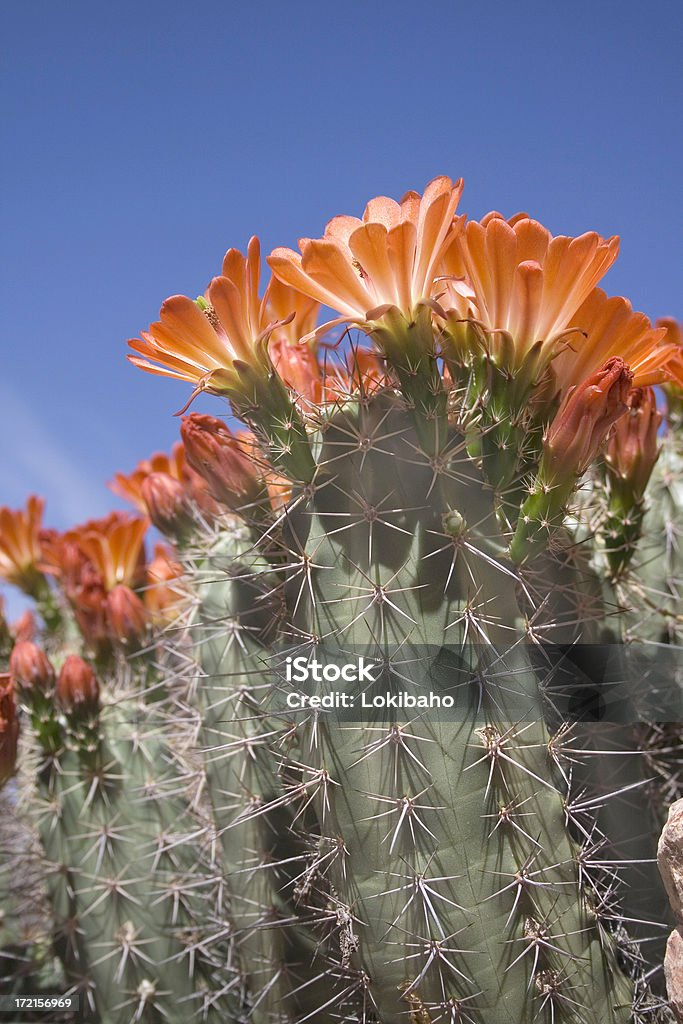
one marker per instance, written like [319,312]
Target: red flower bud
[583,421]
[167,504]
[298,367]
[127,616]
[25,627]
[77,688]
[632,449]
[30,668]
[223,460]
[89,601]
[9,730]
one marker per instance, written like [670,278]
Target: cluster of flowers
[533,297]
[424,284]
[97,574]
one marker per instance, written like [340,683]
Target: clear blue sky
[143,139]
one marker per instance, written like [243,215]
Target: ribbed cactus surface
[387,733]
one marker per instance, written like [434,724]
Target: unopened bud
[9,730]
[573,440]
[584,420]
[127,617]
[167,504]
[30,668]
[298,367]
[25,627]
[77,688]
[223,460]
[632,449]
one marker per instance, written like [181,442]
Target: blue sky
[143,139]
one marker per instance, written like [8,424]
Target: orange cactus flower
[295,360]
[540,290]
[204,341]
[674,336]
[199,341]
[90,561]
[112,548]
[115,547]
[83,587]
[187,486]
[280,303]
[164,594]
[389,259]
[20,544]
[605,327]
[129,487]
[9,730]
[515,278]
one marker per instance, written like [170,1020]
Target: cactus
[431,830]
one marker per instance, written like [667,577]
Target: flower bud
[30,668]
[223,460]
[583,421]
[89,602]
[25,627]
[298,367]
[77,688]
[573,440]
[164,593]
[9,730]
[632,449]
[167,504]
[127,617]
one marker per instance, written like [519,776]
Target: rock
[670,858]
[670,861]
[673,972]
